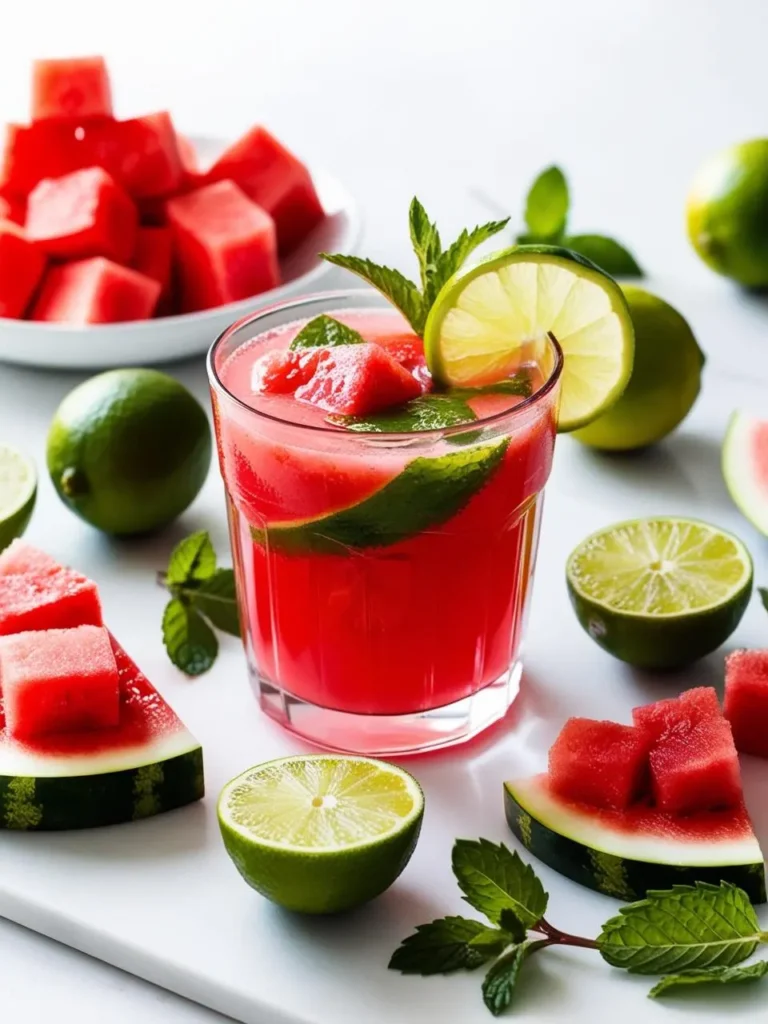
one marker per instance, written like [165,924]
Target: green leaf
[763,591]
[191,643]
[494,879]
[454,256]
[216,599]
[442,946]
[607,253]
[682,928]
[398,289]
[521,385]
[674,983]
[495,940]
[425,239]
[428,492]
[191,559]
[546,209]
[430,412]
[500,981]
[512,924]
[325,332]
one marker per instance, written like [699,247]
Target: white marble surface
[447,100]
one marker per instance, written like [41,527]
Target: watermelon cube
[599,763]
[83,214]
[73,88]
[281,372]
[696,769]
[59,681]
[274,178]
[95,291]
[13,209]
[225,246]
[46,600]
[358,380]
[153,257]
[20,557]
[21,269]
[679,714]
[746,700]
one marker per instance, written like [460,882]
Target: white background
[440,98]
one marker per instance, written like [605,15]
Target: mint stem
[554,937]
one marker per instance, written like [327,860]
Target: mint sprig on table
[202,596]
[692,935]
[546,219]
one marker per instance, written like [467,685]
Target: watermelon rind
[580,844]
[749,495]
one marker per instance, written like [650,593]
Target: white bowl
[169,338]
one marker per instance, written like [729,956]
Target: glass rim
[367,435]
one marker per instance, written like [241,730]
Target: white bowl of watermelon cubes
[125,242]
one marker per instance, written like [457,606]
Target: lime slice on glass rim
[319,833]
[660,593]
[18,491]
[494,315]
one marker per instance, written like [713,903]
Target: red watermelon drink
[384,566]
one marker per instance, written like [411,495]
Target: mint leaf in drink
[443,946]
[500,981]
[546,208]
[455,255]
[682,928]
[425,239]
[521,384]
[216,599]
[429,412]
[675,983]
[395,286]
[191,643]
[325,332]
[494,879]
[606,252]
[192,559]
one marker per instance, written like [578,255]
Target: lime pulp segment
[18,489]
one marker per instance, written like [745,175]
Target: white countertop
[444,99]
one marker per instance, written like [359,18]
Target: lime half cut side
[660,593]
[491,317]
[321,833]
[18,491]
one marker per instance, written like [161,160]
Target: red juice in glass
[383,578]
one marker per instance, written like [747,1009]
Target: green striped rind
[110,798]
[618,876]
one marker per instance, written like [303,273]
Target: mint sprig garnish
[202,596]
[325,332]
[693,935]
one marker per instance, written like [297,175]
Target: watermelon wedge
[73,88]
[746,700]
[745,467]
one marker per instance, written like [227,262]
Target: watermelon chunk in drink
[21,268]
[59,680]
[47,600]
[357,380]
[20,557]
[95,291]
[746,700]
[71,88]
[599,763]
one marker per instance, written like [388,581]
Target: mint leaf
[763,592]
[191,643]
[519,385]
[430,412]
[325,332]
[191,559]
[500,981]
[493,941]
[546,208]
[398,289]
[682,928]
[425,240]
[674,983]
[216,599]
[442,946]
[427,493]
[607,253]
[454,256]
[512,924]
[494,879]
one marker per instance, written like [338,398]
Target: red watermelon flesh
[599,763]
[153,257]
[95,291]
[408,350]
[82,214]
[20,557]
[282,372]
[21,268]
[274,178]
[225,246]
[58,680]
[746,700]
[13,209]
[45,600]
[71,88]
[679,714]
[357,380]
[696,770]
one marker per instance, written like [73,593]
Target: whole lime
[128,450]
[728,213]
[665,381]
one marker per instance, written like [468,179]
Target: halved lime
[660,593]
[319,833]
[18,491]
[489,316]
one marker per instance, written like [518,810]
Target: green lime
[128,450]
[319,833]
[662,592]
[665,381]
[727,213]
[489,316]
[18,491]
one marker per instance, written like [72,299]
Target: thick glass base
[391,735]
